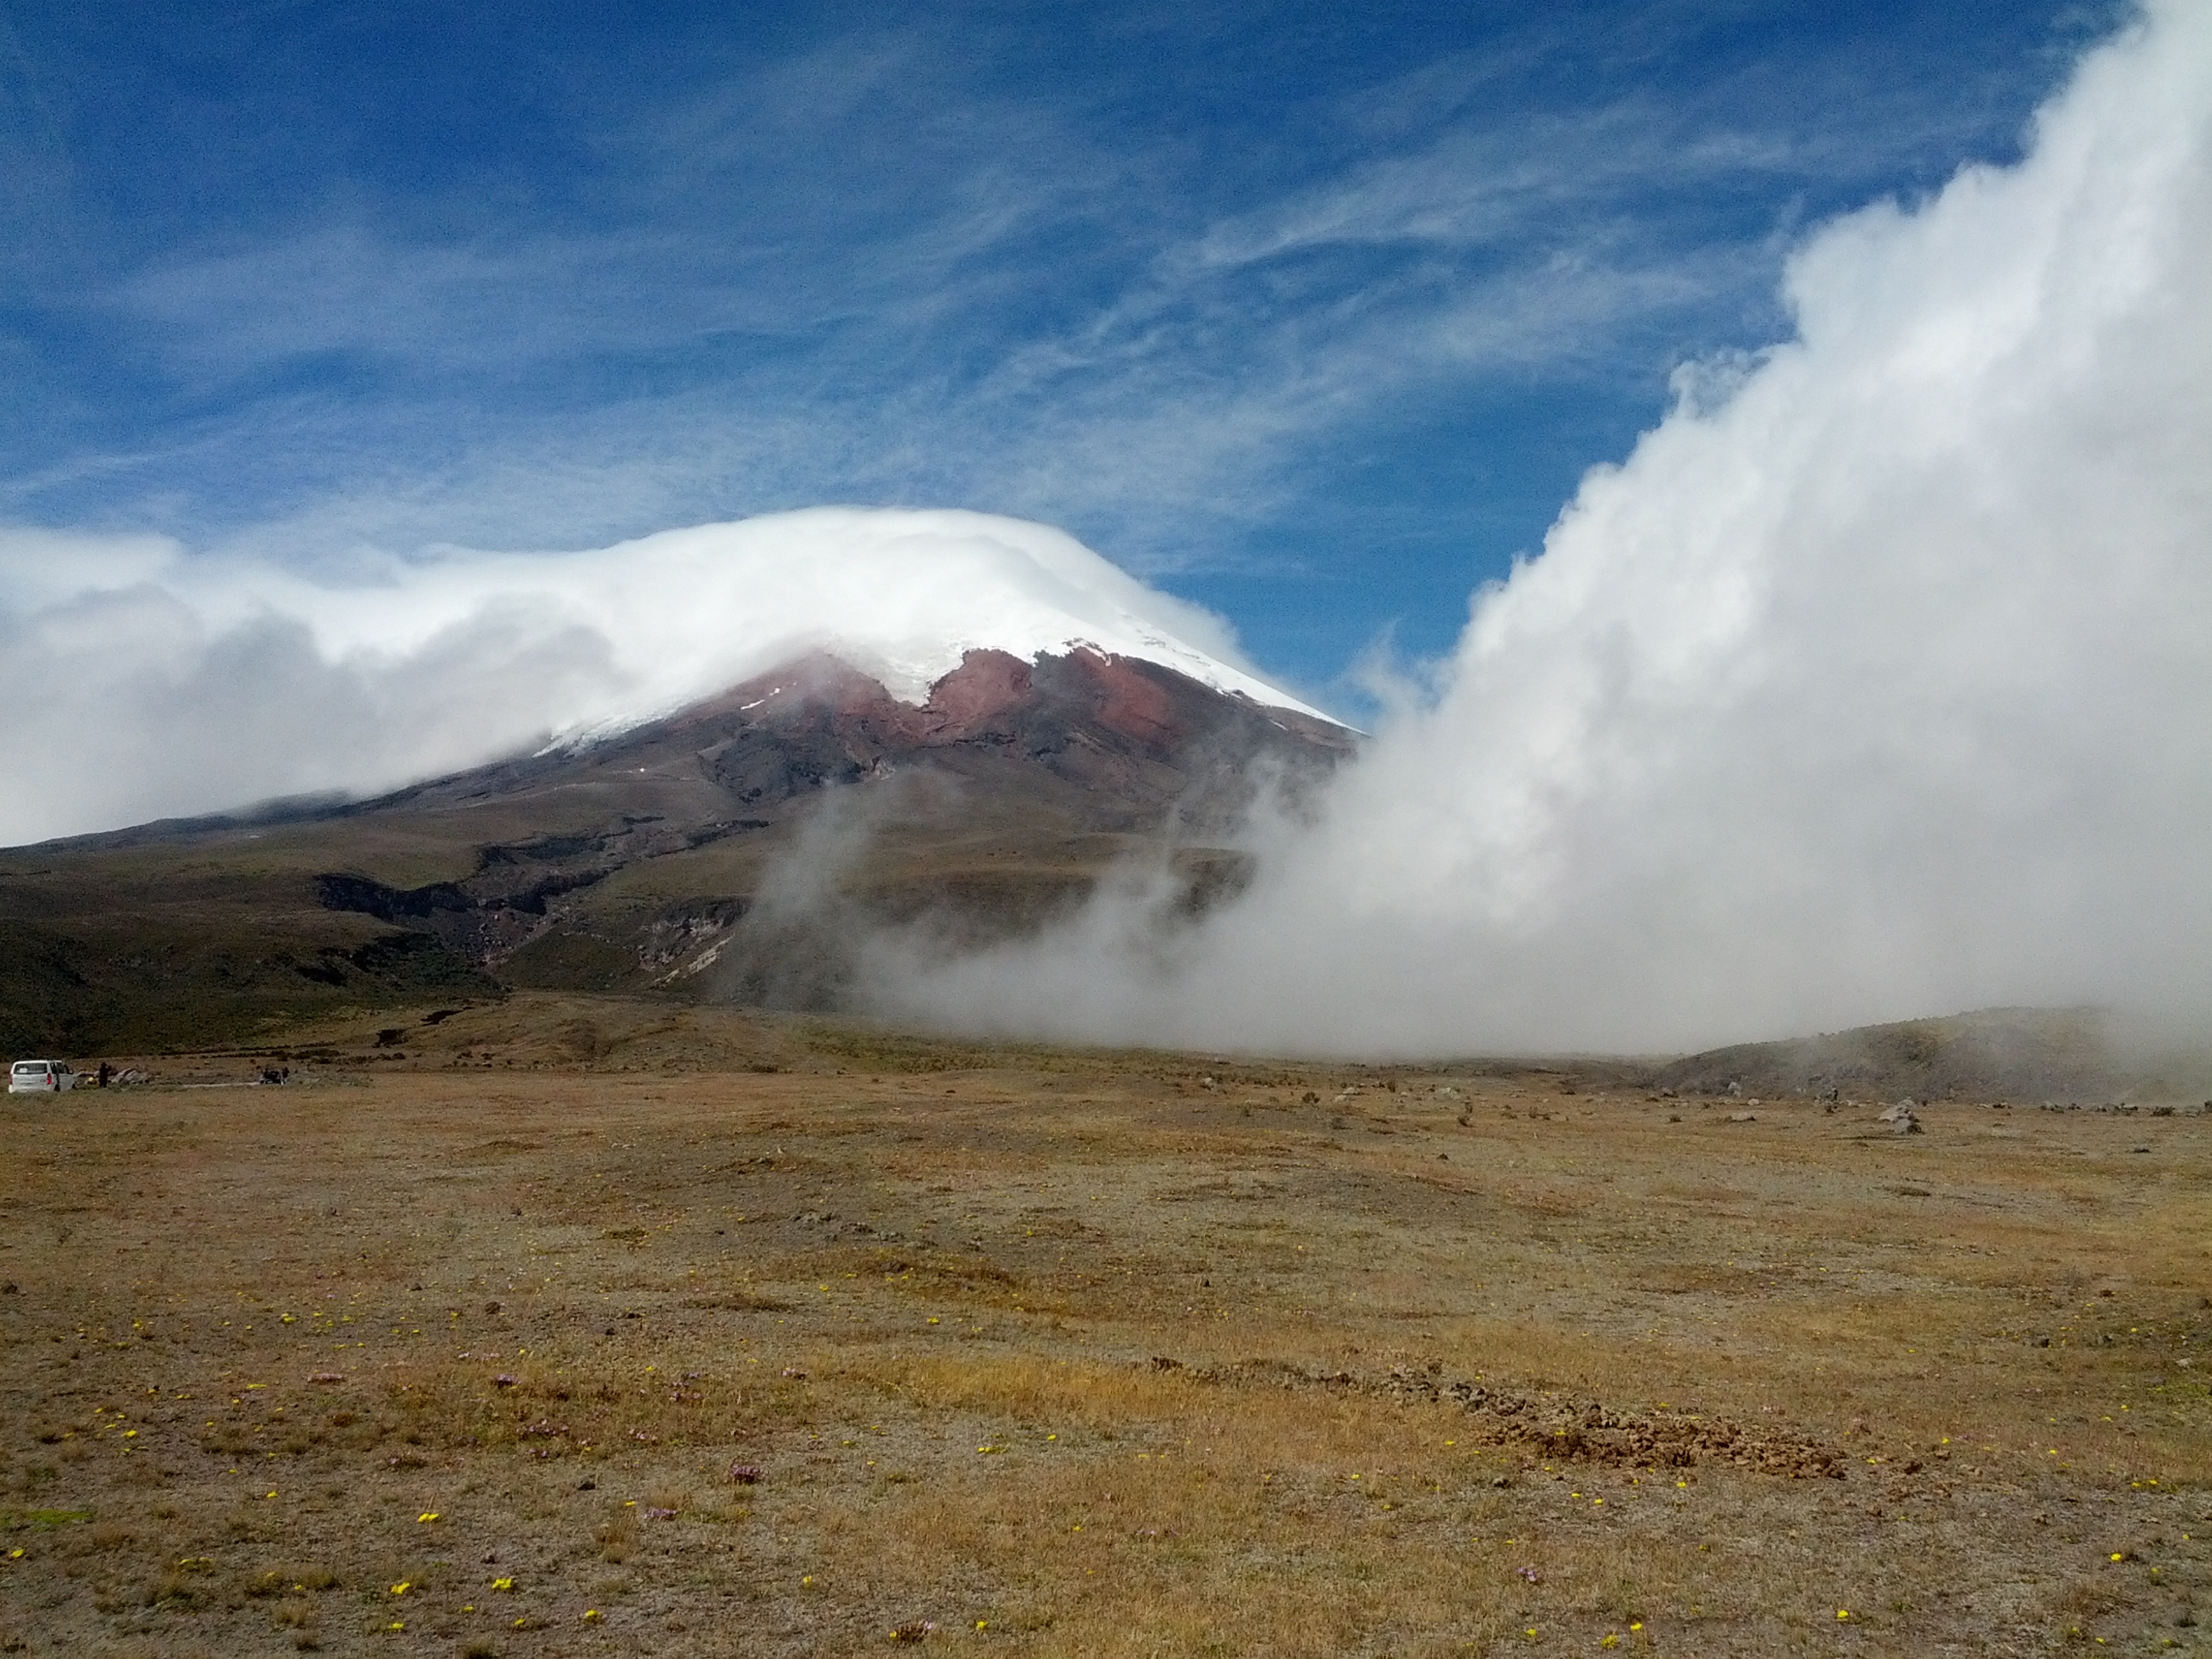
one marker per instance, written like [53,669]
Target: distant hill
[637,863]
[2018,1054]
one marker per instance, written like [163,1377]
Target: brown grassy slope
[127,946]
[1081,1353]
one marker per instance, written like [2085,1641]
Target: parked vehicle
[40,1076]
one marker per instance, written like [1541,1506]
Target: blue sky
[1313,313]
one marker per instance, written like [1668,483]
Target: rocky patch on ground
[1560,1424]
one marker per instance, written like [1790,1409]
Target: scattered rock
[1564,1425]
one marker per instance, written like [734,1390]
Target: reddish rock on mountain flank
[986,684]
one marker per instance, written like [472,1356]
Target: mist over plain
[1876,682]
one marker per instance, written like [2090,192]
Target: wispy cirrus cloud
[951,262]
[350,290]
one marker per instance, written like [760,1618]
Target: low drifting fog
[1877,682]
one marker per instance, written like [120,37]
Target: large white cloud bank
[140,682]
[1876,683]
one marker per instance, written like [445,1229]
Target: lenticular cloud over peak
[1880,686]
[143,682]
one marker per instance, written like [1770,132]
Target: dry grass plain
[570,1333]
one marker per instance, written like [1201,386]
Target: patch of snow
[900,596]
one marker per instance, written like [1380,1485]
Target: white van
[39,1077]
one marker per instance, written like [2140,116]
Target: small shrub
[618,1537]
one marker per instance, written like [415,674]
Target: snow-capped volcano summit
[902,596]
[222,680]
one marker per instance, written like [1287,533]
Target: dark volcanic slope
[635,862]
